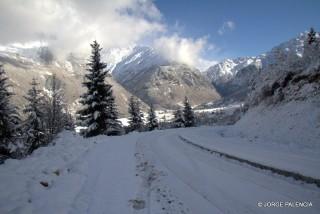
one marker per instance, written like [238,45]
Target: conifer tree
[311,36]
[152,119]
[113,125]
[34,125]
[188,114]
[178,120]
[311,53]
[99,111]
[135,119]
[9,118]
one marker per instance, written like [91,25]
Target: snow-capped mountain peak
[140,58]
[287,51]
[113,56]
[228,68]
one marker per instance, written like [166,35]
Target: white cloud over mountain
[69,26]
[185,50]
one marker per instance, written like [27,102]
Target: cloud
[226,26]
[204,64]
[71,25]
[184,50]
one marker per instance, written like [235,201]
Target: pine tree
[311,53]
[311,36]
[135,119]
[55,107]
[152,119]
[99,111]
[9,118]
[178,120]
[188,114]
[34,125]
[113,125]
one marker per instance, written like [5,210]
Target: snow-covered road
[224,186]
[143,173]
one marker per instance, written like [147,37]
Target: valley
[159,107]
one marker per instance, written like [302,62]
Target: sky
[195,32]
[241,28]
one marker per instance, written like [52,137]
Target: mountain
[139,59]
[21,65]
[233,77]
[161,82]
[143,72]
[290,71]
[113,56]
[285,55]
[226,70]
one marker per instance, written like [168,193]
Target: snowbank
[294,124]
[76,175]
[20,179]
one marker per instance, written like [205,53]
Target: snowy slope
[294,124]
[113,56]
[139,59]
[284,54]
[262,147]
[27,53]
[78,173]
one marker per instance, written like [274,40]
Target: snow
[124,121]
[96,114]
[221,185]
[257,150]
[282,55]
[168,115]
[24,176]
[228,68]
[78,173]
[294,125]
[134,57]
[138,59]
[26,52]
[227,108]
[114,56]
[68,66]
[156,172]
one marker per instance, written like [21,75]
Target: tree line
[46,113]
[44,116]
[99,115]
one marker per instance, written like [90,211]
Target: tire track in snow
[224,183]
[158,196]
[269,180]
[81,202]
[296,176]
[203,195]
